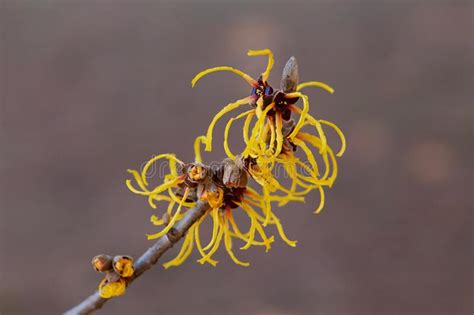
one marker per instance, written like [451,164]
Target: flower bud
[123,265]
[102,263]
[289,77]
[110,289]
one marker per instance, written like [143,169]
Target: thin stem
[149,258]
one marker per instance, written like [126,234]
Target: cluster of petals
[246,181]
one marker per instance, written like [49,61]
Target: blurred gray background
[91,88]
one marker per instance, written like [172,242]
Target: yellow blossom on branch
[225,189]
[271,136]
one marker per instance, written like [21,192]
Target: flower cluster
[117,270]
[271,138]
[224,186]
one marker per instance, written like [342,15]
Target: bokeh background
[91,88]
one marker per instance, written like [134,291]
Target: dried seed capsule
[102,262]
[234,176]
[289,77]
[123,265]
[110,289]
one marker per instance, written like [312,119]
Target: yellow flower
[306,173]
[225,191]
[271,138]
[110,289]
[165,191]
[226,230]
[271,135]
[273,105]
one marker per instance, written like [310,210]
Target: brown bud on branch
[290,77]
